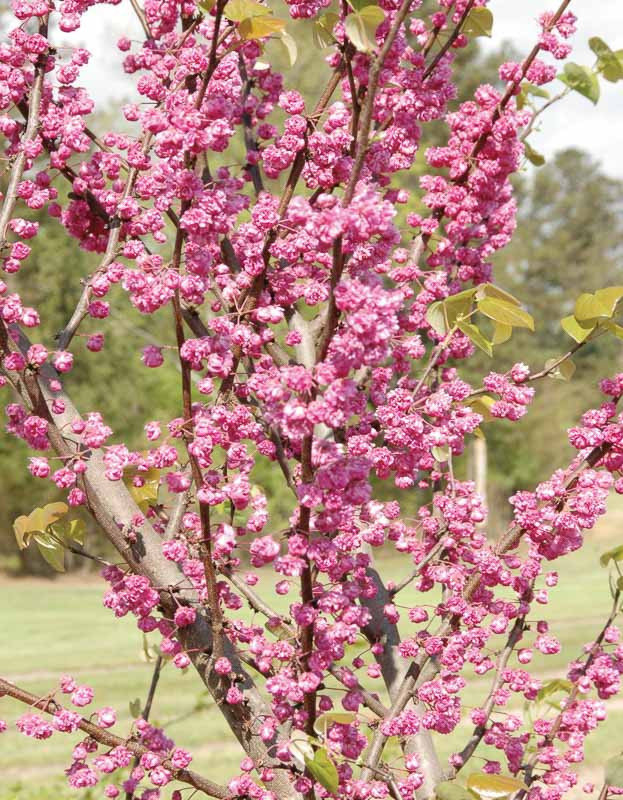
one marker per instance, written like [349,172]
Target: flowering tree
[320,328]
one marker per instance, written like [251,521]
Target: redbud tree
[321,314]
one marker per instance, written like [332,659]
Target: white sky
[573,122]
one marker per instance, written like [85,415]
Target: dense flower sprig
[364,393]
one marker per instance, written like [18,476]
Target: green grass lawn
[52,627]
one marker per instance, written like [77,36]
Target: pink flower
[82,696]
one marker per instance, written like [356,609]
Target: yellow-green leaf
[616,554]
[482,405]
[501,333]
[489,290]
[259,27]
[490,787]
[361,27]
[588,307]
[146,494]
[479,22]
[436,318]
[609,297]
[506,313]
[450,790]
[289,47]
[577,332]
[458,305]
[440,454]
[333,718]
[564,371]
[300,748]
[613,772]
[21,526]
[553,687]
[135,708]
[322,32]
[239,10]
[533,156]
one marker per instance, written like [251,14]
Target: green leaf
[494,786]
[147,494]
[135,708]
[323,770]
[482,405]
[322,32]
[616,554]
[207,5]
[479,22]
[553,687]
[588,308]
[506,313]
[357,5]
[533,156]
[582,80]
[239,10]
[450,790]
[51,550]
[289,47]
[564,371]
[472,333]
[69,530]
[436,318]
[501,333]
[149,653]
[536,91]
[613,771]
[576,331]
[458,305]
[440,454]
[609,63]
[259,27]
[333,718]
[361,27]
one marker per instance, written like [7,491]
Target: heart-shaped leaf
[582,80]
[491,787]
[323,770]
[361,27]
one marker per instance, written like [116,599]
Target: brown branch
[216,614]
[105,737]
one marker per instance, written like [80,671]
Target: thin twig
[105,737]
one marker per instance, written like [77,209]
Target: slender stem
[147,708]
[32,126]
[449,41]
[105,737]
[480,730]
